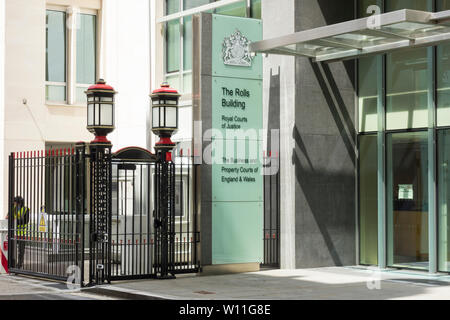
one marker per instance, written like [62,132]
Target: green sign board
[237,118]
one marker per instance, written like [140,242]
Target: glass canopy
[367,36]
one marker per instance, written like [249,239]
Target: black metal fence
[46,229]
[272,217]
[136,239]
[66,230]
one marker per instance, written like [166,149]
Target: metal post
[382,245]
[165,212]
[100,213]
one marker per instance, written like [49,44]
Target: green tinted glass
[173,46]
[86,48]
[423,5]
[172,6]
[443,76]
[444,200]
[189,4]
[368,200]
[256,9]
[187,44]
[236,9]
[368,94]
[407,88]
[407,200]
[56,46]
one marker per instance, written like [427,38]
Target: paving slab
[336,283]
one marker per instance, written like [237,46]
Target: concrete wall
[279,113]
[325,140]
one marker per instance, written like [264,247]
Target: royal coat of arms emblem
[235,50]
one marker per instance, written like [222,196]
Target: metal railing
[48,239]
[99,214]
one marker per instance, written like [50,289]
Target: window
[408,98]
[86,54]
[407,78]
[178,37]
[59,178]
[60,87]
[368,200]
[444,200]
[407,199]
[56,56]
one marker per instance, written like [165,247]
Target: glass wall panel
[423,5]
[442,5]
[368,200]
[55,55]
[236,9]
[172,6]
[444,200]
[173,46]
[188,4]
[173,80]
[367,81]
[407,78]
[443,76]
[443,85]
[187,43]
[407,199]
[368,94]
[55,93]
[256,9]
[187,83]
[407,89]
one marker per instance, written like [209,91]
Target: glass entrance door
[407,200]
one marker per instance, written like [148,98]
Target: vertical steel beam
[432,155]
[381,142]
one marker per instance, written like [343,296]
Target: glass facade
[178,39]
[407,199]
[368,200]
[444,200]
[407,78]
[404,148]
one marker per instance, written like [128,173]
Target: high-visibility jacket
[21,215]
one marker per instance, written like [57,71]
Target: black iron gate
[138,242]
[78,209]
[46,213]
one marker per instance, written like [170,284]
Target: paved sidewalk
[309,284]
[25,288]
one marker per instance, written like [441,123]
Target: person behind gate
[21,215]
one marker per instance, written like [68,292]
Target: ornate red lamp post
[100,122]
[164,124]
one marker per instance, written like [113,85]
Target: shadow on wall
[337,106]
[325,163]
[339,13]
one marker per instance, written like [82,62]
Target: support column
[432,207]
[382,245]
